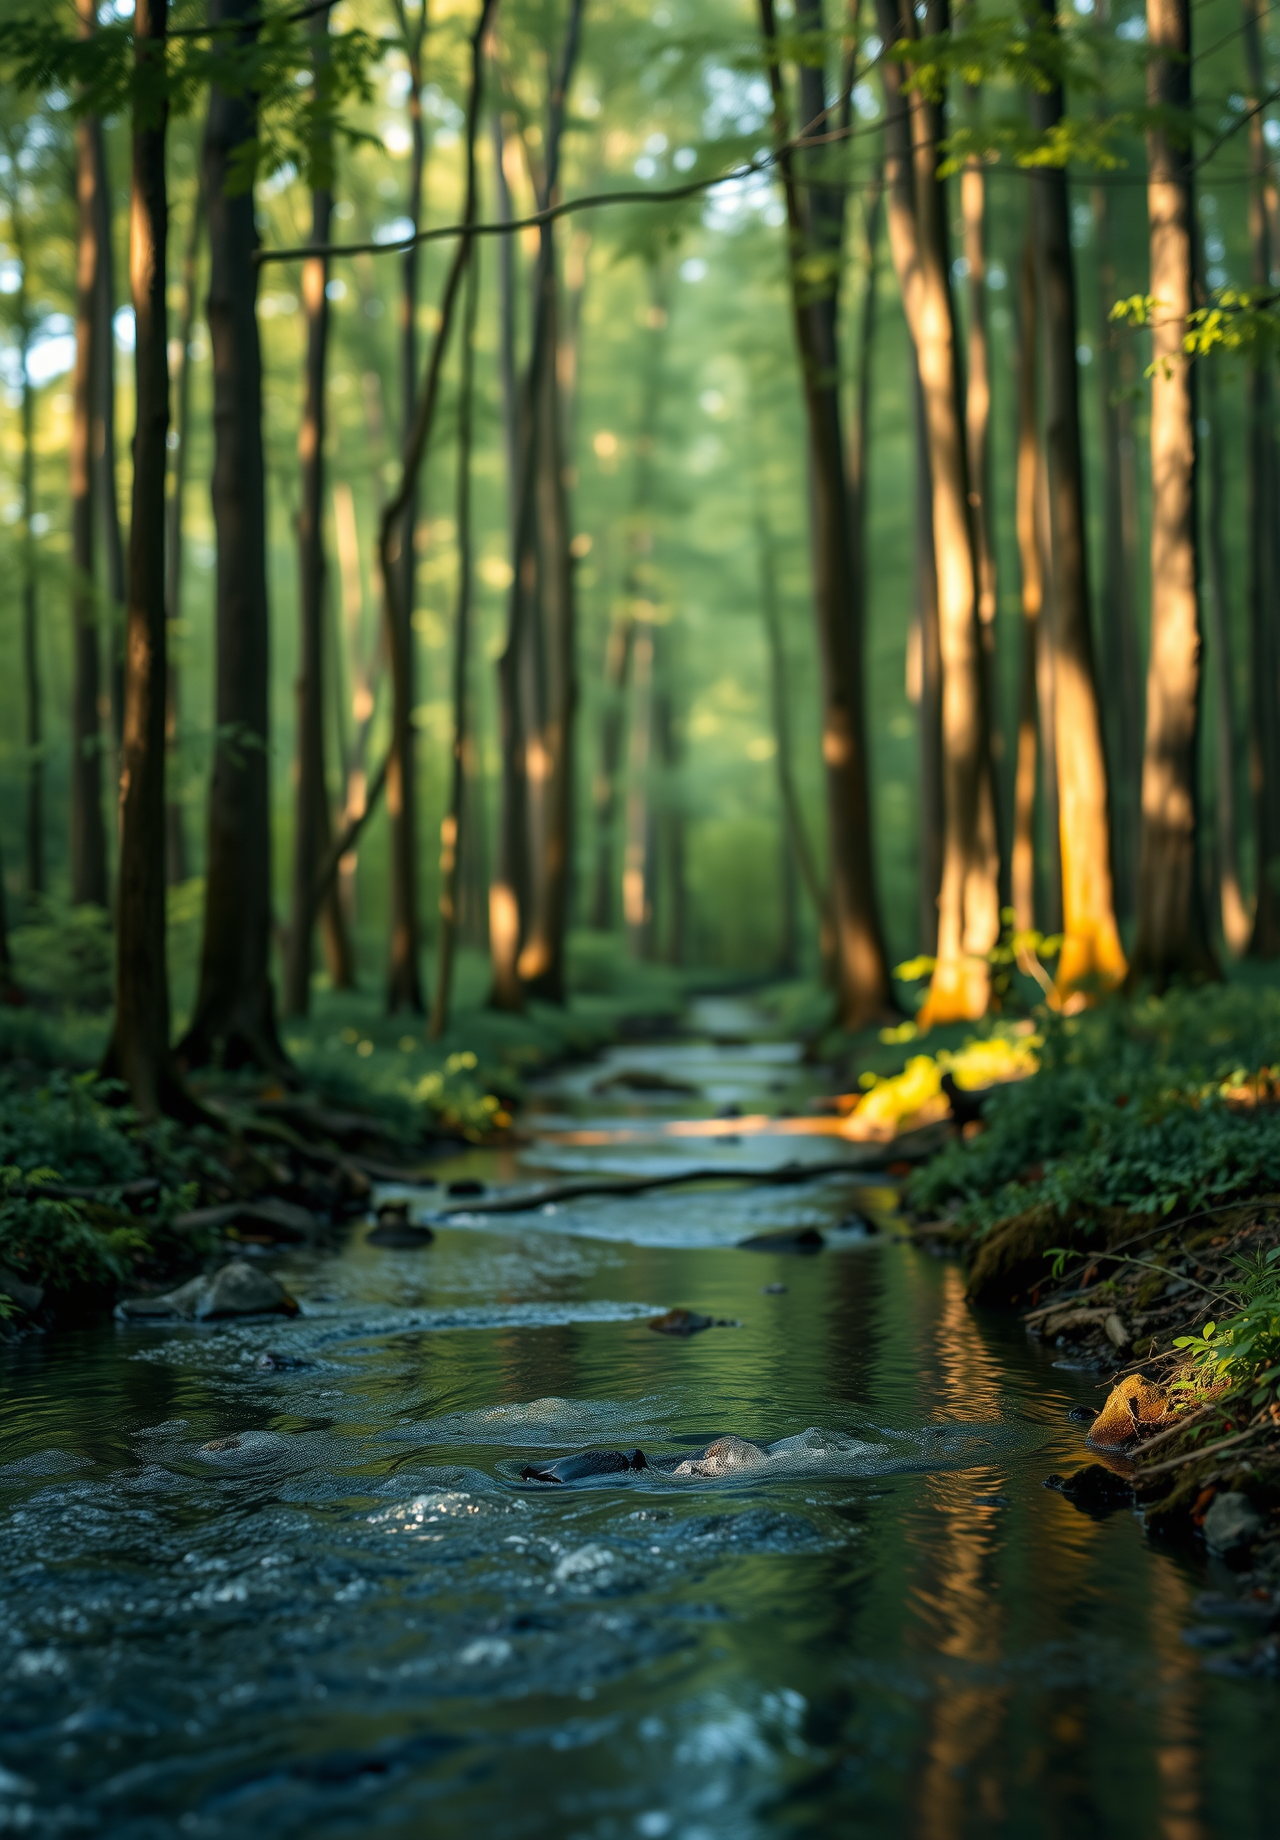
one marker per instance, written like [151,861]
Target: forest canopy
[790,486]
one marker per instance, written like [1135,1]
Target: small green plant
[52,1242]
[1243,1349]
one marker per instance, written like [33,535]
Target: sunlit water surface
[359,1620]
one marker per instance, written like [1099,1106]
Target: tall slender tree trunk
[404,975]
[1121,676]
[1091,956]
[106,491]
[637,586]
[397,627]
[234,1021]
[637,863]
[1031,568]
[931,828]
[451,829]
[176,866]
[88,833]
[311,802]
[362,697]
[1234,917]
[796,850]
[977,428]
[1263,513]
[537,679]
[1171,937]
[139,1048]
[815,228]
[30,605]
[969,902]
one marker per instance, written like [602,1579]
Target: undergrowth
[1146,1105]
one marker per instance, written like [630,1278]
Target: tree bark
[637,586]
[234,1021]
[931,843]
[977,428]
[1092,957]
[30,606]
[139,1048]
[637,864]
[451,829]
[1263,513]
[537,678]
[405,988]
[106,491]
[404,975]
[1234,917]
[969,903]
[355,761]
[88,833]
[176,866]
[1121,668]
[1171,937]
[311,802]
[1031,561]
[796,848]
[864,992]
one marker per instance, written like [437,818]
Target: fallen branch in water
[787,1175]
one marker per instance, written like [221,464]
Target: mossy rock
[1010,1261]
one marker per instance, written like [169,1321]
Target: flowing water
[355,1618]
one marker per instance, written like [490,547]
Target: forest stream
[285,1578]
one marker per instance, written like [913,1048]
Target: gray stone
[236,1290]
[1231,1523]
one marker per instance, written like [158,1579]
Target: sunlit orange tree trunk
[1092,956]
[814,227]
[1172,938]
[968,904]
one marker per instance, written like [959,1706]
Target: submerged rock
[1134,1406]
[681,1322]
[722,1456]
[584,1463]
[790,1239]
[236,1290]
[1232,1523]
[1094,1487]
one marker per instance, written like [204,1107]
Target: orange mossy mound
[1135,1406]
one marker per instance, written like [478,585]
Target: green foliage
[54,1243]
[64,956]
[1130,1109]
[65,1124]
[1243,1348]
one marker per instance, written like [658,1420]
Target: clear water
[359,1621]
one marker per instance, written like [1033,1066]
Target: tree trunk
[451,830]
[405,989]
[969,903]
[1263,513]
[234,1021]
[176,866]
[865,994]
[88,833]
[977,426]
[1031,561]
[139,1049]
[1235,920]
[1121,670]
[362,697]
[404,975]
[30,623]
[929,683]
[537,688]
[637,865]
[796,846]
[105,488]
[637,586]
[311,804]
[1092,957]
[1171,937]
